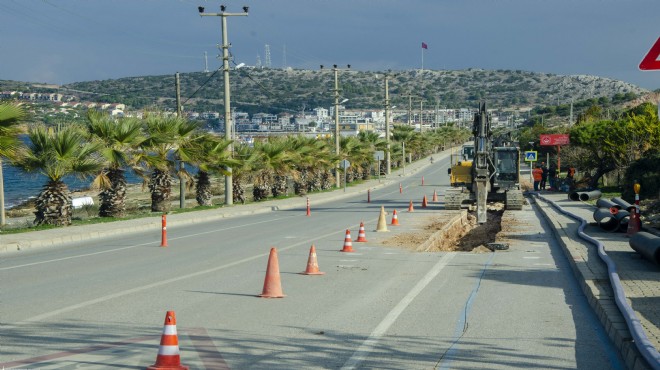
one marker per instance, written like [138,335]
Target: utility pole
[336,90]
[387,126]
[421,116]
[229,193]
[182,180]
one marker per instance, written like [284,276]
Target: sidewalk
[13,243]
[639,278]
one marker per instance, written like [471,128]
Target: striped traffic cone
[410,207]
[312,263]
[348,244]
[395,219]
[362,236]
[435,196]
[168,352]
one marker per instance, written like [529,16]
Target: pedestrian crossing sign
[530,156]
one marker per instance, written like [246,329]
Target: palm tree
[121,138]
[11,116]
[56,154]
[272,164]
[241,171]
[373,142]
[212,156]
[170,139]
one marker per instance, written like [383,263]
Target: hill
[277,90]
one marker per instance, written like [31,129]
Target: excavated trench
[455,231]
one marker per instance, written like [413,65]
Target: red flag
[424,46]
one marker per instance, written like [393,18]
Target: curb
[597,290]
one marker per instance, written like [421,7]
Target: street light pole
[229,193]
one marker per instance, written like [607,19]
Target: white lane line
[163,282]
[531,258]
[367,346]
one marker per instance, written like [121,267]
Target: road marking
[531,258]
[367,346]
[165,282]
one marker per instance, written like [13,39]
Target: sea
[21,187]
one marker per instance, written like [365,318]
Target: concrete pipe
[622,217]
[605,203]
[586,195]
[574,195]
[625,205]
[606,220]
[646,244]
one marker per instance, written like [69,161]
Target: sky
[64,41]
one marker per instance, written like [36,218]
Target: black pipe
[606,220]
[586,195]
[625,205]
[574,195]
[606,203]
[646,244]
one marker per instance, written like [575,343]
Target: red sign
[554,139]
[650,61]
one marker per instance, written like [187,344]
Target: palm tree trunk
[53,205]
[160,187]
[203,193]
[239,189]
[113,200]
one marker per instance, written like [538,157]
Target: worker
[552,175]
[570,178]
[544,176]
[537,174]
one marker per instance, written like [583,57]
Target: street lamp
[229,193]
[336,92]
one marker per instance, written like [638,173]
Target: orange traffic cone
[422,180]
[312,263]
[435,196]
[411,208]
[272,283]
[348,244]
[424,202]
[168,352]
[395,219]
[362,236]
[400,189]
[634,223]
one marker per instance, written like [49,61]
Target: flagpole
[422,60]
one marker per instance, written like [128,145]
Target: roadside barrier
[640,340]
[168,357]
[362,236]
[348,244]
[272,282]
[312,263]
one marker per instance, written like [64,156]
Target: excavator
[493,174]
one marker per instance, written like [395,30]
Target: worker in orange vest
[537,174]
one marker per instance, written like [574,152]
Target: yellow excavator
[493,172]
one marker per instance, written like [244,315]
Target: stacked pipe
[646,244]
[584,195]
[611,215]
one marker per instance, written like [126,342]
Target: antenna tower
[258,65]
[267,53]
[206,63]
[284,57]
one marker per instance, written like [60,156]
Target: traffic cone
[422,180]
[348,244]
[400,189]
[312,263]
[163,234]
[382,224]
[424,202]
[435,196]
[634,222]
[272,283]
[395,219]
[362,236]
[309,211]
[168,352]
[410,207]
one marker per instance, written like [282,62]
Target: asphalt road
[101,304]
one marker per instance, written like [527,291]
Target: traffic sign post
[531,155]
[345,164]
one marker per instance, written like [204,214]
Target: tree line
[103,148]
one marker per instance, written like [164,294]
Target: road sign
[379,155]
[530,156]
[650,61]
[345,164]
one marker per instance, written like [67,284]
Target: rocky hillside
[277,90]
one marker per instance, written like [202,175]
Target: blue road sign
[530,156]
